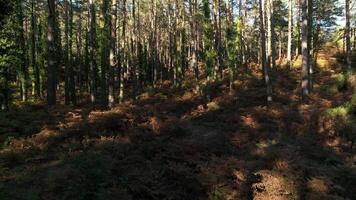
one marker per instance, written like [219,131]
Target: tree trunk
[290,33]
[5,91]
[92,51]
[265,66]
[105,51]
[66,54]
[309,43]
[34,65]
[122,53]
[51,60]
[113,56]
[297,48]
[73,97]
[81,72]
[347,35]
[305,50]
[271,36]
[23,75]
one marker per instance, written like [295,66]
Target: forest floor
[171,145]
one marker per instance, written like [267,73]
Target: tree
[305,50]
[23,72]
[290,33]
[105,50]
[92,51]
[264,64]
[347,35]
[51,60]
[271,35]
[34,65]
[113,54]
[309,44]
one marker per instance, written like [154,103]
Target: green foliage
[220,193]
[335,85]
[210,53]
[340,111]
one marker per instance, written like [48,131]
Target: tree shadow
[171,146]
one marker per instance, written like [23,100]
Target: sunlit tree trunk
[23,73]
[305,50]
[298,46]
[290,33]
[271,36]
[309,43]
[265,66]
[122,52]
[113,55]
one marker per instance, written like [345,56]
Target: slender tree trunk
[23,75]
[5,91]
[81,72]
[92,51]
[122,52]
[73,97]
[354,38]
[265,66]
[51,60]
[105,51]
[290,33]
[347,35]
[271,36]
[134,52]
[280,47]
[309,43]
[305,50]
[113,56]
[297,52]
[66,54]
[35,67]
[216,39]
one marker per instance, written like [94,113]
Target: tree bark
[36,71]
[309,43]
[265,66]
[105,51]
[51,60]
[271,36]
[347,35]
[73,97]
[92,51]
[23,75]
[290,33]
[305,50]
[113,55]
[66,52]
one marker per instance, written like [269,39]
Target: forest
[178,99]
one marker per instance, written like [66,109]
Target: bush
[342,120]
[336,84]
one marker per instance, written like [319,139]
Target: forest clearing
[178,99]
